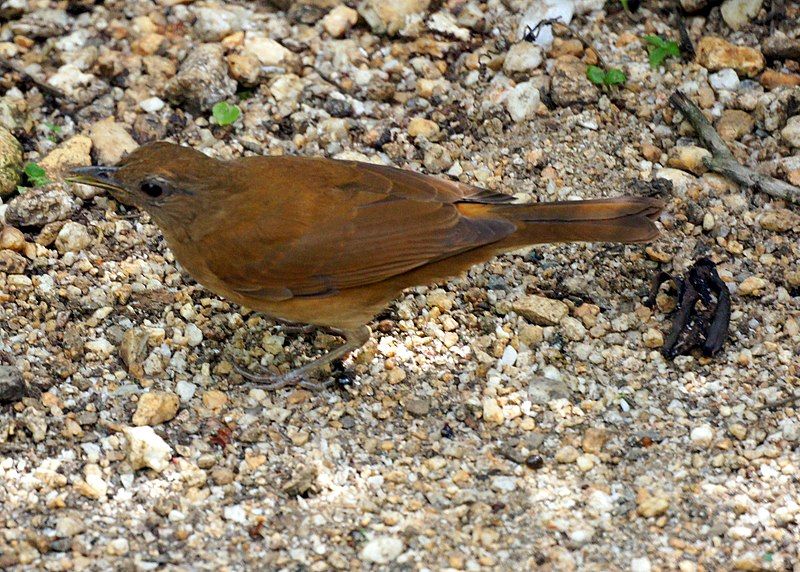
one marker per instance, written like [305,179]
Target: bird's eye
[152,188]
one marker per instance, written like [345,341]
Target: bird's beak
[102,177]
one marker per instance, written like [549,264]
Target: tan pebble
[738,430]
[715,54]
[652,338]
[156,407]
[492,412]
[222,476]
[593,440]
[567,454]
[421,127]
[772,79]
[651,505]
[734,124]
[779,220]
[689,158]
[531,335]
[12,239]
[752,286]
[540,310]
[657,255]
[651,152]
[396,375]
[214,399]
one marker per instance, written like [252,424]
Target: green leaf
[52,127]
[673,49]
[36,175]
[660,50]
[225,113]
[625,5]
[596,75]
[615,76]
[654,41]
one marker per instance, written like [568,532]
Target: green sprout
[599,76]
[660,50]
[35,175]
[53,129]
[225,113]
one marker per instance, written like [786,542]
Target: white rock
[69,78]
[445,23]
[118,547]
[268,51]
[737,13]
[791,133]
[582,535]
[185,390]
[96,485]
[504,484]
[725,79]
[641,564]
[147,449]
[235,513]
[509,357]
[523,101]
[73,237]
[522,57]
[600,503]
[67,526]
[574,329]
[740,532]
[212,22]
[543,10]
[194,335]
[101,347]
[382,549]
[152,104]
[702,436]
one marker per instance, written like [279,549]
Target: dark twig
[686,44]
[16,68]
[722,160]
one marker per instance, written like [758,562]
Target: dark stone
[12,388]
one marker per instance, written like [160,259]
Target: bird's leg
[354,339]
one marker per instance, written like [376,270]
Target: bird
[331,243]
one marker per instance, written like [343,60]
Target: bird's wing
[349,225]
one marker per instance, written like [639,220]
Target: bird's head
[166,180]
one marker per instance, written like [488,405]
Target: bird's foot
[272,382]
[354,339]
[693,327]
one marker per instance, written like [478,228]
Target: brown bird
[331,243]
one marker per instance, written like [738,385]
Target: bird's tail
[620,219]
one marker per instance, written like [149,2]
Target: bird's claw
[271,382]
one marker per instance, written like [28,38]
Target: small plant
[225,113]
[53,129]
[599,76]
[661,50]
[35,175]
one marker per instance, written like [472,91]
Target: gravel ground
[521,416]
